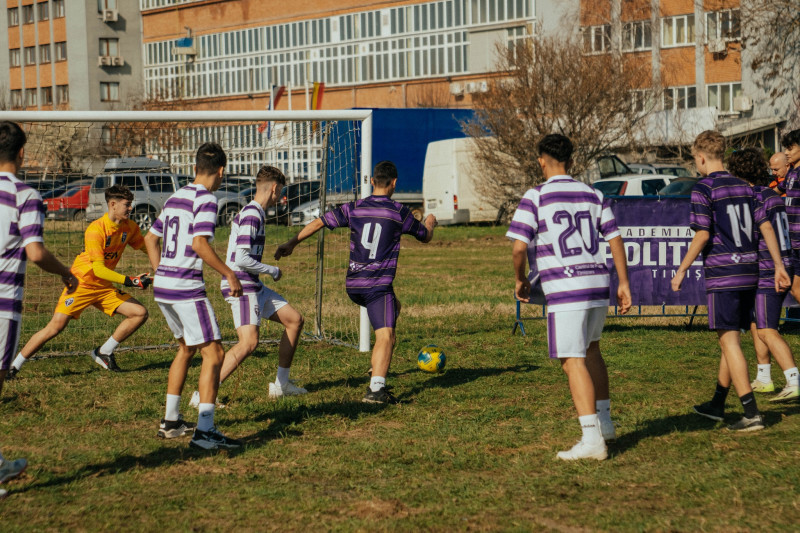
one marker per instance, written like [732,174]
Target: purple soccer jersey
[189,213]
[562,221]
[247,231]
[724,206]
[21,223]
[376,224]
[791,186]
[770,206]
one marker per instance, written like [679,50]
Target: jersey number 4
[371,244]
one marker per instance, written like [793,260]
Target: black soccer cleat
[12,373]
[382,396]
[106,361]
[709,411]
[212,440]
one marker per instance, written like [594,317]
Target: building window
[516,37]
[109,47]
[597,39]
[30,55]
[44,53]
[61,51]
[13,57]
[641,100]
[30,97]
[47,96]
[16,98]
[27,14]
[106,4]
[680,97]
[58,8]
[722,96]
[723,25]
[62,94]
[43,9]
[677,31]
[13,17]
[637,36]
[109,91]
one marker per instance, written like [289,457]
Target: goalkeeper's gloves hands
[142,281]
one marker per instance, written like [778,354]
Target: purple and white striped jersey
[562,220]
[724,206]
[21,220]
[376,224]
[190,212]
[247,231]
[770,206]
[791,186]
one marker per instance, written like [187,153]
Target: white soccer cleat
[582,450]
[608,430]
[290,389]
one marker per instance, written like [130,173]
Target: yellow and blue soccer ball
[431,359]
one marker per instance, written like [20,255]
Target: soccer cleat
[195,402]
[11,469]
[608,430]
[582,450]
[381,396]
[3,494]
[709,411]
[748,424]
[12,373]
[106,361]
[760,386]
[212,440]
[290,389]
[789,393]
[171,429]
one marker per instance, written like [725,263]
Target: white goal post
[301,141]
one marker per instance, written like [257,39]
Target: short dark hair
[268,173]
[384,173]
[750,165]
[118,192]
[557,146]
[12,139]
[790,139]
[210,158]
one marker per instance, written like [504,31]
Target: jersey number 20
[580,222]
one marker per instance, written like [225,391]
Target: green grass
[471,449]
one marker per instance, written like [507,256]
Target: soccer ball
[431,359]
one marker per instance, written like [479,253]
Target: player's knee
[142,314]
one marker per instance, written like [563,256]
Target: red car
[69,206]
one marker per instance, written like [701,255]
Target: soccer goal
[325,155]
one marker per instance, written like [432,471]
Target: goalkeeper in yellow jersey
[105,240]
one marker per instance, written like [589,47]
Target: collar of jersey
[258,205]
[111,222]
[560,177]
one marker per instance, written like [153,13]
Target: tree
[551,86]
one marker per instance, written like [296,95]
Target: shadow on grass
[678,328]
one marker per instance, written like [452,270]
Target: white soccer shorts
[193,321]
[569,333]
[250,309]
[9,341]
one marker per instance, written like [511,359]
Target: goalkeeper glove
[141,281]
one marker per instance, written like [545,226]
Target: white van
[448,184]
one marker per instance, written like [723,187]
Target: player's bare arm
[782,280]
[621,265]
[522,288]
[203,249]
[430,224]
[286,249]
[153,248]
[45,260]
[695,247]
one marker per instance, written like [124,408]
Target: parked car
[603,167]
[679,187]
[304,213]
[631,185]
[292,195]
[69,206]
[660,168]
[230,201]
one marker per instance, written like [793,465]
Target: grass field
[472,449]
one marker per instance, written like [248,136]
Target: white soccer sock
[19,361]
[205,417]
[590,425]
[764,373]
[173,407]
[109,347]
[603,410]
[376,383]
[283,376]
[792,377]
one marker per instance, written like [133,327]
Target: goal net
[72,156]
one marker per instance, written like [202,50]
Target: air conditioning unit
[483,87]
[456,89]
[117,61]
[718,46]
[110,15]
[471,87]
[104,61]
[742,103]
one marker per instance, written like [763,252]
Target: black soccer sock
[720,395]
[749,404]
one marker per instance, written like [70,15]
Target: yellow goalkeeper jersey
[104,240]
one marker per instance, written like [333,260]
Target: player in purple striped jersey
[724,220]
[186,227]
[749,164]
[21,228]
[791,187]
[376,224]
[258,302]
[556,231]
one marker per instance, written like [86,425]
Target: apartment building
[71,54]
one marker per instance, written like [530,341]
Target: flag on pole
[316,100]
[274,98]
